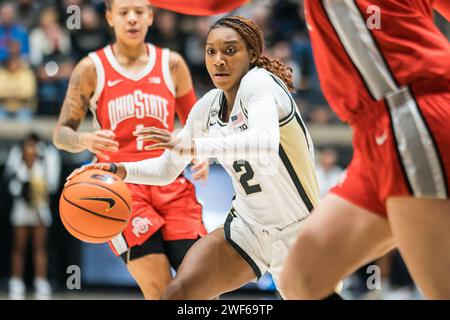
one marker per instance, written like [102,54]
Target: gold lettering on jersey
[138,105]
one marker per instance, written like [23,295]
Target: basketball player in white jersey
[251,124]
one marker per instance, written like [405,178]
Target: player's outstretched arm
[443,7]
[185,100]
[165,169]
[75,107]
[159,171]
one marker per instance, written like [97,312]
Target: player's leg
[178,205]
[141,245]
[338,238]
[43,289]
[421,227]
[16,283]
[40,251]
[18,251]
[176,250]
[149,266]
[182,213]
[211,267]
[152,274]
[421,230]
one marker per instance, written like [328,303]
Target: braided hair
[254,40]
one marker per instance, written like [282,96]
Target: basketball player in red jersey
[127,86]
[399,109]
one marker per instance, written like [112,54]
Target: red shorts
[173,208]
[401,149]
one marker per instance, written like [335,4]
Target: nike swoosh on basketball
[381,139]
[110,201]
[113,83]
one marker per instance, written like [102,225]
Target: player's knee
[38,248]
[284,286]
[18,248]
[181,289]
[304,287]
[300,278]
[150,290]
[294,286]
[176,290]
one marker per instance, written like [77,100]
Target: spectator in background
[33,171]
[285,18]
[92,34]
[17,86]
[166,33]
[328,171]
[10,30]
[319,112]
[302,52]
[28,12]
[194,51]
[51,56]
[281,50]
[260,13]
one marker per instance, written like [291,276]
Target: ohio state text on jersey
[125,101]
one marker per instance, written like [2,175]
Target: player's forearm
[261,139]
[258,142]
[65,138]
[156,171]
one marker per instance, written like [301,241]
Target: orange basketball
[95,206]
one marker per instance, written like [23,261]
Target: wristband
[112,168]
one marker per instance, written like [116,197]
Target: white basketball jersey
[270,191]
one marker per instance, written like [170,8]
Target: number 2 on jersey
[248,174]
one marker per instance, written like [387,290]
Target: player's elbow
[56,140]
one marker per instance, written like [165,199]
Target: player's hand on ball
[120,172]
[100,141]
[164,140]
[200,170]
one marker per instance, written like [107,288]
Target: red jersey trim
[124,72]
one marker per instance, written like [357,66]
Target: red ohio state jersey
[364,49]
[125,101]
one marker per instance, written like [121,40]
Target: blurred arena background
[40,45]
